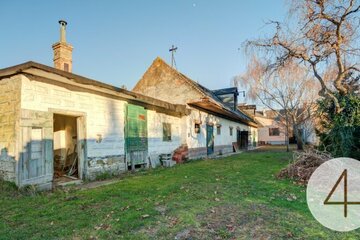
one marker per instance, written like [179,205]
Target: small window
[66,67]
[274,132]
[231,131]
[166,132]
[197,128]
[218,129]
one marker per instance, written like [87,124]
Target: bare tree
[324,37]
[289,91]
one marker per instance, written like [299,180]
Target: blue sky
[116,41]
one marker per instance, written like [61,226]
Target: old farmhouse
[214,123]
[56,125]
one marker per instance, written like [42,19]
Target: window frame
[271,132]
[167,136]
[197,130]
[218,130]
[66,67]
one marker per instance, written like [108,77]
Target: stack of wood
[303,165]
[181,154]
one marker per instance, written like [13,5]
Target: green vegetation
[232,197]
[340,132]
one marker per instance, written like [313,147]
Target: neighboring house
[53,122]
[271,130]
[214,125]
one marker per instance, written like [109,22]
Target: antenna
[173,51]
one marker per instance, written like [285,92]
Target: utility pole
[173,50]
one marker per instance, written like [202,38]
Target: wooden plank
[235,146]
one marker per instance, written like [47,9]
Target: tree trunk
[299,140]
[287,134]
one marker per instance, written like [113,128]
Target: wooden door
[136,142]
[81,146]
[36,158]
[210,139]
[238,138]
[244,142]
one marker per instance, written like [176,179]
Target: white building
[56,125]
[215,125]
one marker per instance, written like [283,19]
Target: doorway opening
[66,157]
[242,139]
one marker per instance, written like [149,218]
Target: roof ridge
[183,76]
[202,89]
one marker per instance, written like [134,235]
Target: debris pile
[303,165]
[181,154]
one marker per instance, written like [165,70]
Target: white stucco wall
[254,138]
[195,140]
[104,116]
[156,145]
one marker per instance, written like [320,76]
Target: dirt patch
[96,184]
[161,209]
[250,221]
[234,222]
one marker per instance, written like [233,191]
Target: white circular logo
[333,194]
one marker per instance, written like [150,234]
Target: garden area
[235,197]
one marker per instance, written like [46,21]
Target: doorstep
[66,181]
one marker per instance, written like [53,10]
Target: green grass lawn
[236,197]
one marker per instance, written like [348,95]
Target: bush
[340,132]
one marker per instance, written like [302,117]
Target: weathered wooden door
[136,142]
[244,139]
[238,138]
[36,157]
[81,146]
[210,139]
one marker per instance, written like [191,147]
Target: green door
[136,142]
[209,139]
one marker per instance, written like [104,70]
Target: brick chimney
[63,50]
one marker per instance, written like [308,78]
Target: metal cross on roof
[173,50]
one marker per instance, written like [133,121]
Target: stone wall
[112,165]
[196,153]
[163,82]
[9,121]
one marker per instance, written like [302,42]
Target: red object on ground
[181,154]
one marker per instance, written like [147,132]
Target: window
[197,128]
[166,132]
[231,131]
[274,132]
[66,67]
[218,129]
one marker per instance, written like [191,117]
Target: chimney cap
[62,22]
